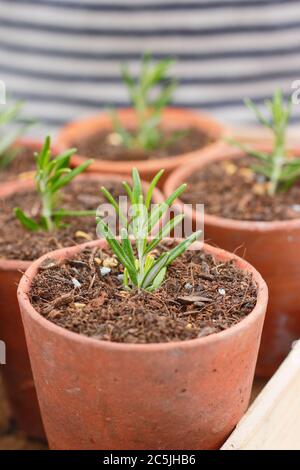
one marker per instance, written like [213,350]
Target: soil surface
[18,243]
[20,166]
[200,296]
[232,190]
[105,146]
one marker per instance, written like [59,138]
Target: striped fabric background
[63,56]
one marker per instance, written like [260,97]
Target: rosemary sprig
[149,95]
[280,170]
[134,248]
[52,174]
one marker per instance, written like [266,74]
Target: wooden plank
[273,420]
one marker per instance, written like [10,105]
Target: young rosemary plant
[52,174]
[134,247]
[280,170]
[8,136]
[149,94]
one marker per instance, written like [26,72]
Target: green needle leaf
[153,184]
[27,222]
[183,246]
[115,205]
[128,190]
[44,155]
[160,209]
[164,232]
[66,213]
[158,280]
[137,187]
[66,179]
[127,246]
[154,270]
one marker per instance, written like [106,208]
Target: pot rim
[30,142]
[200,119]
[222,151]
[16,186]
[26,307]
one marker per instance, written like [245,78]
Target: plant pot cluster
[272,247]
[119,345]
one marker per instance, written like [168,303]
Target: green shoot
[280,170]
[52,174]
[134,248]
[8,137]
[149,95]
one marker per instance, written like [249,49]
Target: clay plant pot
[103,395]
[273,248]
[17,375]
[172,119]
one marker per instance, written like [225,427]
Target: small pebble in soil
[48,263]
[259,189]
[207,330]
[260,178]
[80,234]
[222,291]
[230,168]
[120,277]
[188,286]
[105,271]
[76,283]
[114,139]
[110,262]
[247,174]
[295,207]
[124,293]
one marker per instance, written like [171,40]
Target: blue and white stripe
[63,57]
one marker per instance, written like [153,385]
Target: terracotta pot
[273,248]
[103,395]
[17,375]
[172,118]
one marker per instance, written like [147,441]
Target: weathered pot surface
[17,375]
[104,395]
[172,118]
[273,248]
